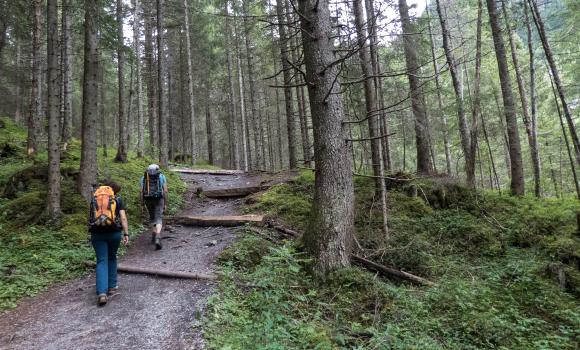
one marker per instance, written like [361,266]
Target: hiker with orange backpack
[107,220]
[154,196]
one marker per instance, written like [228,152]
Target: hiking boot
[158,245]
[112,291]
[102,299]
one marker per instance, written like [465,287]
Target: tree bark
[150,79]
[191,99]
[424,164]
[210,151]
[463,126]
[286,68]
[525,106]
[233,123]
[53,195]
[556,76]
[378,81]
[34,118]
[517,171]
[332,224]
[245,135]
[67,75]
[533,102]
[123,134]
[441,111]
[161,99]
[137,49]
[88,167]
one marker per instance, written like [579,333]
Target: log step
[208,171]
[233,192]
[235,220]
[160,273]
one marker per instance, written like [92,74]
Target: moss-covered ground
[37,251]
[495,260]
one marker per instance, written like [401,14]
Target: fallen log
[284,230]
[390,271]
[233,192]
[234,220]
[207,171]
[160,273]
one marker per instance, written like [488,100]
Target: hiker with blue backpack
[154,196]
[108,227]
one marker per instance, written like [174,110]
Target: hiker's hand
[125,239]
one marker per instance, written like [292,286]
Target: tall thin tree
[517,170]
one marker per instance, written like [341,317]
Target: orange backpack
[104,208]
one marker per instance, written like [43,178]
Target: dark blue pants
[106,246]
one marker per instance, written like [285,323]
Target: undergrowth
[37,251]
[492,258]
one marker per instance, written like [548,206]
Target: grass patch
[489,255]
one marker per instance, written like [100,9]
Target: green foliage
[489,255]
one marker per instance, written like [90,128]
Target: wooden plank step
[233,192]
[160,273]
[208,171]
[233,220]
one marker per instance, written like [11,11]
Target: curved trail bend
[148,312]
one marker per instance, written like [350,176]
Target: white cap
[153,169]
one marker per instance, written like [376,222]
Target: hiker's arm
[165,196]
[125,226]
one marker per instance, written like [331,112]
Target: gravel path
[148,312]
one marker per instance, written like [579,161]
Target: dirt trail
[148,312]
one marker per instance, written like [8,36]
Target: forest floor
[148,312]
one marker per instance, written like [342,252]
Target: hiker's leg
[101,251]
[113,243]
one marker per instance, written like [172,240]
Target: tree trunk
[525,107]
[67,74]
[332,224]
[534,123]
[88,167]
[53,195]
[371,110]
[476,108]
[210,151]
[122,146]
[463,126]
[255,117]
[572,164]
[19,97]
[556,76]
[286,68]
[517,170]
[243,113]
[34,118]
[136,48]
[441,111]
[378,81]
[190,84]
[424,164]
[161,99]
[150,77]
[233,123]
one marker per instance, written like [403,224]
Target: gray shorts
[155,209]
